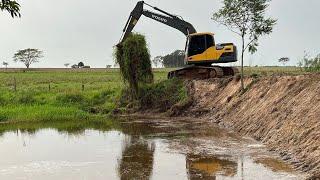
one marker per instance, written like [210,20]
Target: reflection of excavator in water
[199,167]
[201,50]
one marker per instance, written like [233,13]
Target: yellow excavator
[200,50]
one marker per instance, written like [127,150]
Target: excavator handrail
[168,19]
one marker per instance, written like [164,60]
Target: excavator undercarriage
[203,72]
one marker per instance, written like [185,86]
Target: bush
[135,64]
[101,97]
[310,64]
[161,96]
[3,117]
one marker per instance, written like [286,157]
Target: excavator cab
[202,50]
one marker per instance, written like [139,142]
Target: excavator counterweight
[200,50]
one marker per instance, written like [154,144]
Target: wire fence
[13,84]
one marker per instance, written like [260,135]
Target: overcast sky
[69,31]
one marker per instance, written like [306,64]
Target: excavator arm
[165,18]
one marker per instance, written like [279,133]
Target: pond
[134,149]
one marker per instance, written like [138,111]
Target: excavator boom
[165,18]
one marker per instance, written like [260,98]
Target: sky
[69,31]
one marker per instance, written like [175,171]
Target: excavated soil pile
[282,112]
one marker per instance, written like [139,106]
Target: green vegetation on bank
[159,96]
[60,95]
[140,92]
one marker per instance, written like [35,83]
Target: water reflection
[137,159]
[202,167]
[139,150]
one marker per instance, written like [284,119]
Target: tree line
[172,60]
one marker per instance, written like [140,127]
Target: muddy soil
[283,112]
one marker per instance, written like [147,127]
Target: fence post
[49,87]
[82,86]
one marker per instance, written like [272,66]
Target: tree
[67,65]
[11,7]
[75,66]
[247,19]
[157,60]
[5,64]
[284,60]
[80,64]
[175,59]
[28,56]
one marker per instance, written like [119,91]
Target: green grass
[65,100]
[20,113]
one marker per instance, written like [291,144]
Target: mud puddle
[137,149]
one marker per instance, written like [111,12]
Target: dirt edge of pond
[283,112]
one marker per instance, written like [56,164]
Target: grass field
[67,94]
[59,94]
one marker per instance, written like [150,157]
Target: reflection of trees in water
[63,127]
[139,129]
[199,167]
[137,159]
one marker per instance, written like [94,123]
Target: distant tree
[175,59]
[5,64]
[11,7]
[247,19]
[75,66]
[28,56]
[67,65]
[157,61]
[80,64]
[284,60]
[108,66]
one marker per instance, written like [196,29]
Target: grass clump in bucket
[135,65]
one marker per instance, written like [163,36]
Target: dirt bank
[282,112]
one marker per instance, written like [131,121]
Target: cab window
[197,45]
[209,40]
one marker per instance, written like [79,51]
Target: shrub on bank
[310,64]
[157,97]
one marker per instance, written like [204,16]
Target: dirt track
[282,112]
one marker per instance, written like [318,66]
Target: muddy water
[135,150]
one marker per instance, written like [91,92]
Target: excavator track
[203,72]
